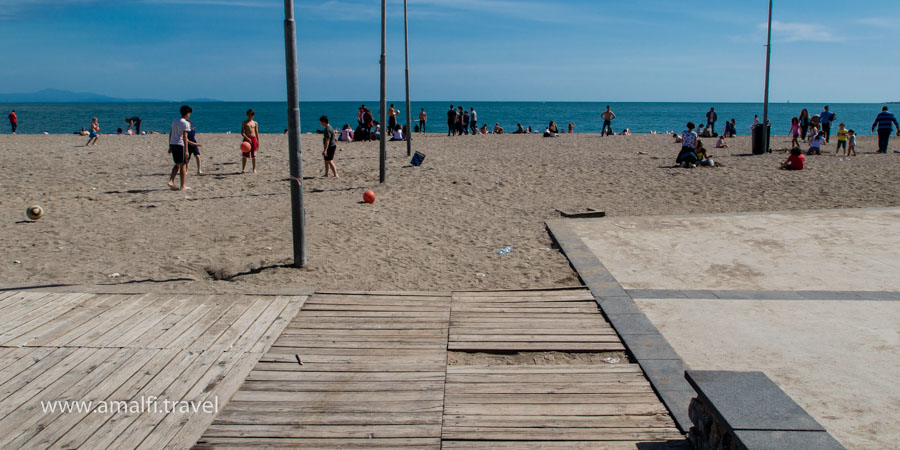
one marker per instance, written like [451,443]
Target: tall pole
[408,112]
[382,156]
[294,149]
[766,99]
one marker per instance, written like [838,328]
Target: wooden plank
[24,359]
[150,310]
[325,431]
[568,445]
[41,316]
[363,333]
[620,387]
[379,300]
[243,417]
[165,324]
[341,386]
[230,325]
[574,368]
[265,375]
[362,308]
[87,310]
[385,293]
[543,338]
[306,443]
[27,303]
[316,406]
[207,311]
[258,328]
[393,396]
[658,421]
[536,347]
[278,325]
[382,343]
[473,403]
[543,378]
[469,330]
[650,408]
[31,418]
[386,366]
[433,315]
[210,326]
[101,391]
[29,370]
[13,399]
[97,424]
[560,434]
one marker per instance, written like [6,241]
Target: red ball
[369,197]
[245,147]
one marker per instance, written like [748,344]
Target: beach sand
[435,227]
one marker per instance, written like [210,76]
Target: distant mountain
[201,100]
[60,96]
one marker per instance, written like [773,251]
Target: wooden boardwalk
[374,373]
[126,349]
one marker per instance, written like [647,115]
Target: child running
[329,146]
[178,137]
[193,148]
[851,136]
[250,133]
[842,140]
[795,132]
[94,134]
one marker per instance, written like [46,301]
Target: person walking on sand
[451,121]
[193,149]
[178,138]
[804,123]
[423,119]
[473,121]
[459,121]
[329,146]
[711,118]
[608,116]
[94,133]
[825,119]
[13,121]
[250,133]
[885,123]
[392,116]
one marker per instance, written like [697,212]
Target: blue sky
[590,50]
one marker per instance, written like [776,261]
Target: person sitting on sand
[553,128]
[677,138]
[529,130]
[571,127]
[484,129]
[397,134]
[346,134]
[720,142]
[795,161]
[119,132]
[626,132]
[815,144]
[687,156]
[498,129]
[519,129]
[549,131]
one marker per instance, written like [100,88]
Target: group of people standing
[459,121]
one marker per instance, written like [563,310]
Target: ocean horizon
[223,117]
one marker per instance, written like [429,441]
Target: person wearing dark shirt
[329,146]
[825,119]
[711,118]
[451,121]
[134,122]
[884,124]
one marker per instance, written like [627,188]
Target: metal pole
[382,156]
[294,149]
[765,122]
[408,112]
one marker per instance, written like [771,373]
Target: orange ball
[245,147]
[369,197]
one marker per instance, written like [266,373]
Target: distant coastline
[61,96]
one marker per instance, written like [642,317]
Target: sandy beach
[108,210]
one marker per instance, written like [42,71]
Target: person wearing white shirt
[178,139]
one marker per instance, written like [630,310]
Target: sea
[222,117]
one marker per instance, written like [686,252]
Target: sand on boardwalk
[434,227]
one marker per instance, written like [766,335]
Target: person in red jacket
[795,161]
[13,121]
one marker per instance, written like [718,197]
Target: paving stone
[604,288]
[618,305]
[677,402]
[649,346]
[632,324]
[656,293]
[750,401]
[667,375]
[795,440]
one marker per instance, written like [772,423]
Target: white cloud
[801,32]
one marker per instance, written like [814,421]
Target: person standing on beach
[885,123]
[250,133]
[451,121]
[13,121]
[465,123]
[804,123]
[329,146]
[711,118]
[825,120]
[178,138]
[423,119]
[608,116]
[473,121]
[94,133]
[459,121]
[360,118]
[392,117]
[193,149]
[135,124]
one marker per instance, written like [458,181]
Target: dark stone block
[667,375]
[604,288]
[649,346]
[618,305]
[632,324]
[830,295]
[750,401]
[677,403]
[655,293]
[795,440]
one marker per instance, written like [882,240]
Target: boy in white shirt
[178,139]
[815,145]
